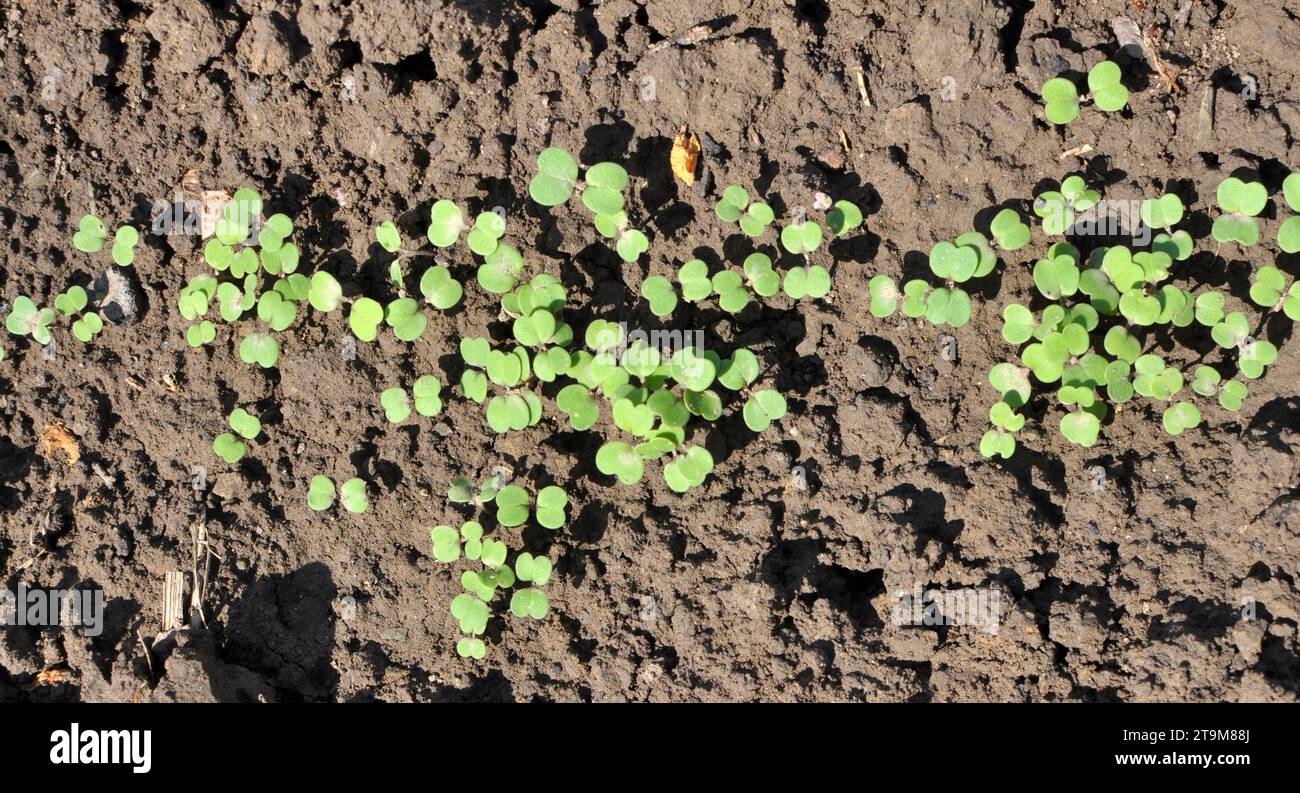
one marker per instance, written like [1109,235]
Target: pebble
[347,608]
[116,295]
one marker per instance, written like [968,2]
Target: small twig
[862,88]
[103,476]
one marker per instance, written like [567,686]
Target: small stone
[347,608]
[261,47]
[116,296]
[832,158]
[227,486]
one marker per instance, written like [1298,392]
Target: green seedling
[513,506]
[364,318]
[801,237]
[556,179]
[513,411]
[1254,356]
[884,296]
[999,443]
[735,207]
[124,242]
[439,288]
[275,311]
[352,494]
[602,192]
[1162,213]
[449,544]
[694,278]
[201,333]
[475,352]
[87,327]
[1180,417]
[261,349]
[245,424]
[26,319]
[501,269]
[1288,234]
[470,647]
[1009,230]
[426,393]
[71,302]
[388,237]
[529,603]
[765,281]
[551,502]
[1108,93]
[446,222]
[229,448]
[196,297]
[661,294]
[534,569]
[294,288]
[1060,100]
[1011,383]
[320,494]
[405,318]
[1059,208]
[1081,427]
[620,460]
[464,491]
[763,408]
[576,402]
[729,286]
[1270,291]
[1240,203]
[1208,382]
[471,612]
[485,235]
[843,217]
[325,294]
[90,235]
[690,466]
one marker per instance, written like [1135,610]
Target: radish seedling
[426,395]
[229,448]
[26,319]
[1240,203]
[1061,98]
[320,494]
[736,207]
[1059,208]
[352,494]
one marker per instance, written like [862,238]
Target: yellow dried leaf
[51,677]
[685,156]
[55,439]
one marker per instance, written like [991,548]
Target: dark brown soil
[745,588]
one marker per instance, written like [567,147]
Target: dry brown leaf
[209,203]
[685,156]
[50,677]
[55,438]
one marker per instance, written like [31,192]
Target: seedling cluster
[1109,316]
[524,579]
[28,319]
[658,402]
